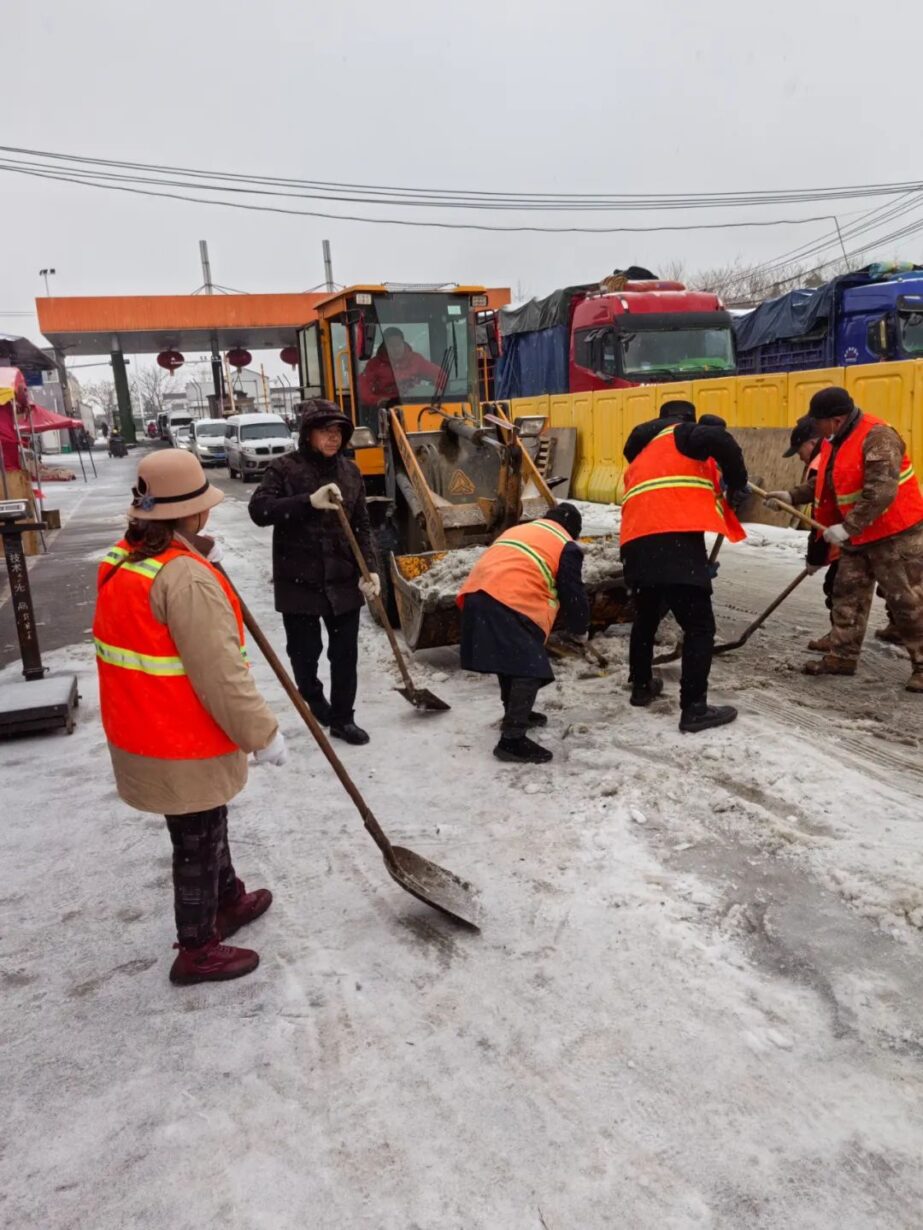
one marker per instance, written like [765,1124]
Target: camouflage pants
[202,872]
[896,564]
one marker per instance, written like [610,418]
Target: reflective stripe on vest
[537,559]
[132,661]
[846,501]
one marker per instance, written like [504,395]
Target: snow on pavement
[693,1002]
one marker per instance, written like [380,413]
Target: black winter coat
[313,568]
[680,559]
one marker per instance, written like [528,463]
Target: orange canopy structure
[147,324]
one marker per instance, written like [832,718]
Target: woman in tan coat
[179,707]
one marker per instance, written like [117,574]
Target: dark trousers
[691,605]
[518,696]
[203,874]
[304,647]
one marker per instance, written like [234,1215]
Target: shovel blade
[435,886]
[423,698]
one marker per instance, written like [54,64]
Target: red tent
[39,418]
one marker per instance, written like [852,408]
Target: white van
[176,419]
[251,441]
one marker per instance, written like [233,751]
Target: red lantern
[171,360]
[238,357]
[289,355]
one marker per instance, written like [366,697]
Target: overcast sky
[522,95]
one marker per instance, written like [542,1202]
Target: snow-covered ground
[694,1001]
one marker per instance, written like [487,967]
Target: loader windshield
[416,336]
[679,352]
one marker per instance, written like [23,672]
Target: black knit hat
[830,403]
[803,431]
[678,409]
[568,516]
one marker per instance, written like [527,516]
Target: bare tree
[102,392]
[745,284]
[149,386]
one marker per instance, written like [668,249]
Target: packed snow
[694,1002]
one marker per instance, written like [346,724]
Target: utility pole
[216,353]
[328,266]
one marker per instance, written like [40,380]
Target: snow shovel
[426,881]
[421,698]
[761,618]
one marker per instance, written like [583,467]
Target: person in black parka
[315,576]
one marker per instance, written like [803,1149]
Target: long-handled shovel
[763,616]
[421,698]
[426,881]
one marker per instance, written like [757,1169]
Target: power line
[411,222]
[458,197]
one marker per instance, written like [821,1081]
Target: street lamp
[46,273]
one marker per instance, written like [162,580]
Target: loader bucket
[426,623]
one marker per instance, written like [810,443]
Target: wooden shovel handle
[376,601]
[368,819]
[790,508]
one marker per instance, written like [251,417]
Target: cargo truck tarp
[801,312]
[534,363]
[545,313]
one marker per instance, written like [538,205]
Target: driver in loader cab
[509,604]
[394,370]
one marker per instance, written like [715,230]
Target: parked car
[175,420]
[252,440]
[208,441]
[182,437]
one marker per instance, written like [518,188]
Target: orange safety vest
[833,500]
[520,570]
[669,493]
[148,705]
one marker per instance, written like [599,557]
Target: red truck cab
[648,332]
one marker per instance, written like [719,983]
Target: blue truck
[870,316]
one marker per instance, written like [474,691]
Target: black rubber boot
[643,694]
[349,732]
[522,751]
[702,716]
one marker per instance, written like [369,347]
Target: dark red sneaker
[241,909]
[213,962]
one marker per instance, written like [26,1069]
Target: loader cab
[384,345]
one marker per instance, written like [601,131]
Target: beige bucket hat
[171,484]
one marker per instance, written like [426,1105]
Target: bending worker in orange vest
[179,707]
[868,496]
[673,497]
[509,604]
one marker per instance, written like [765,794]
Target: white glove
[371,588]
[810,569]
[326,497]
[274,752]
[773,497]
[216,554]
[836,535]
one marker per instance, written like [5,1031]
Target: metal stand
[39,703]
